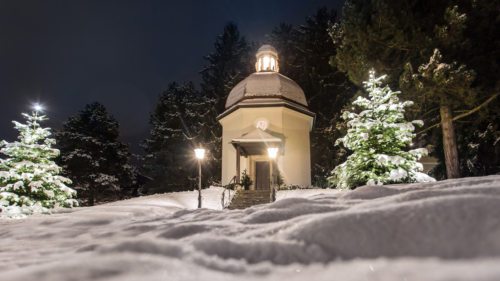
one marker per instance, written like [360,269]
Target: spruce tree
[305,52]
[400,37]
[378,136]
[177,124]
[30,180]
[229,63]
[449,84]
[93,156]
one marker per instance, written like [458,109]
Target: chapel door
[262,175]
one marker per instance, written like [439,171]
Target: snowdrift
[447,230]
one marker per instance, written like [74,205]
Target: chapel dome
[266,83]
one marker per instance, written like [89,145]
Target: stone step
[253,198]
[247,198]
[252,202]
[235,207]
[255,193]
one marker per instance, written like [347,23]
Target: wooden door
[262,175]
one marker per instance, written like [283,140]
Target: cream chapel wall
[296,157]
[237,123]
[294,127]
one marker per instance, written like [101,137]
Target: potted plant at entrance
[279,179]
[246,181]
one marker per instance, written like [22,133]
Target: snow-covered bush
[29,178]
[378,136]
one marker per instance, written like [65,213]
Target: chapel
[266,125]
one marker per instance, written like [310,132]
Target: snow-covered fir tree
[379,137]
[30,181]
[304,52]
[229,63]
[178,125]
[94,157]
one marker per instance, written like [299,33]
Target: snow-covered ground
[306,193]
[448,230]
[211,199]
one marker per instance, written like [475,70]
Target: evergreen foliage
[177,127]
[30,180]
[305,52]
[93,156]
[185,118]
[408,40]
[229,63]
[246,181]
[378,137]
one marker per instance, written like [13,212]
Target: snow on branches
[29,178]
[378,137]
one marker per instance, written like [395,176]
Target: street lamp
[272,152]
[199,153]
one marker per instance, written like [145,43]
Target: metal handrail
[228,190]
[273,193]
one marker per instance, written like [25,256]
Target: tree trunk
[91,197]
[449,143]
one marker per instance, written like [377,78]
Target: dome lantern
[267,59]
[265,127]
[266,85]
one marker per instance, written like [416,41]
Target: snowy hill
[447,230]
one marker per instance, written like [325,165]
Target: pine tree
[378,137]
[30,180]
[177,125]
[305,52]
[228,64]
[92,155]
[399,37]
[448,83]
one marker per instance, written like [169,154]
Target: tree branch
[465,114]
[476,108]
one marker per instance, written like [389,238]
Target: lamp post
[272,152]
[199,153]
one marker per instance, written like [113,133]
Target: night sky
[66,54]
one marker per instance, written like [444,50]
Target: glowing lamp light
[199,153]
[267,63]
[267,59]
[37,107]
[272,152]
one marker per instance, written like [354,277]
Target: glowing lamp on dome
[267,59]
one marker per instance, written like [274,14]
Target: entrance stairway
[247,198]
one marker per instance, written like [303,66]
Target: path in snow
[448,230]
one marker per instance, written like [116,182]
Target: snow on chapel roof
[266,82]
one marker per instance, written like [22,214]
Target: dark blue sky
[66,54]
